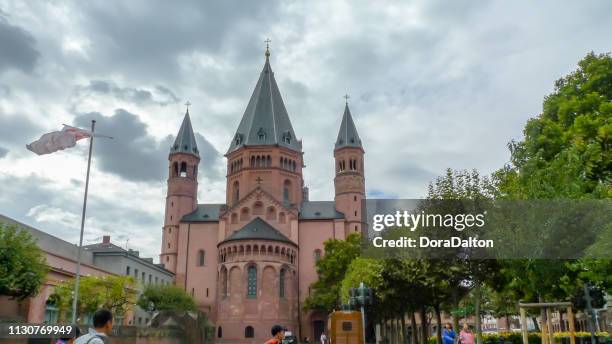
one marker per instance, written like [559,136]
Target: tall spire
[265,120]
[347,135]
[185,141]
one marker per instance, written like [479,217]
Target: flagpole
[78,267]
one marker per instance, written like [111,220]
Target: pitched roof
[319,210]
[265,120]
[258,229]
[204,213]
[347,135]
[185,141]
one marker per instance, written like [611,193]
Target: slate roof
[319,210]
[258,229]
[265,120]
[185,141]
[347,135]
[204,213]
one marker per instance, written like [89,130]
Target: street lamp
[360,297]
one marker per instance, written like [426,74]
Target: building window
[183,172]
[317,255]
[136,273]
[143,276]
[252,282]
[287,191]
[281,283]
[150,278]
[236,192]
[127,270]
[201,256]
[249,332]
[219,332]
[261,134]
[206,292]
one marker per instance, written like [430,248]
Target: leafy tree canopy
[115,293]
[331,269]
[566,151]
[22,264]
[166,298]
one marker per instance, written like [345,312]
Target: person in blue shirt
[448,335]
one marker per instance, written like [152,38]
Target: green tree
[331,269]
[115,293]
[565,154]
[22,264]
[566,151]
[166,298]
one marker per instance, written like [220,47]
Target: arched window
[219,332]
[223,282]
[234,218]
[293,167]
[258,208]
[201,257]
[236,192]
[281,217]
[317,255]
[287,191]
[271,213]
[258,161]
[252,282]
[183,172]
[281,283]
[175,170]
[249,332]
[252,161]
[244,214]
[268,161]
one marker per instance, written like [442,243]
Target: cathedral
[250,261]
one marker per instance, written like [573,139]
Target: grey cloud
[3,152]
[211,164]
[133,154]
[18,47]
[136,155]
[161,95]
[146,39]
[17,131]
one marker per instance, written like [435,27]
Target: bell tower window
[183,171]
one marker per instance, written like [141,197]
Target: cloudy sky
[433,84]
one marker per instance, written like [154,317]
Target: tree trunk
[507,322]
[439,321]
[424,327]
[404,334]
[477,297]
[534,320]
[415,334]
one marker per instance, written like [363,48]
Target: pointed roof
[265,120]
[258,229]
[185,141]
[348,136]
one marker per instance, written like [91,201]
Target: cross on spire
[187,104]
[267,41]
[346,98]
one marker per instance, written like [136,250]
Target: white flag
[58,140]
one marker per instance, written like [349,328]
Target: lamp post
[360,297]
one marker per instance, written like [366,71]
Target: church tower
[182,192]
[265,152]
[349,182]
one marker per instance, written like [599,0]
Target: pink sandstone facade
[249,262]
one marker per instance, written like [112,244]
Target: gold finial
[267,41]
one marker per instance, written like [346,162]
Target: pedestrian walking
[278,333]
[466,335]
[102,327]
[324,338]
[448,335]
